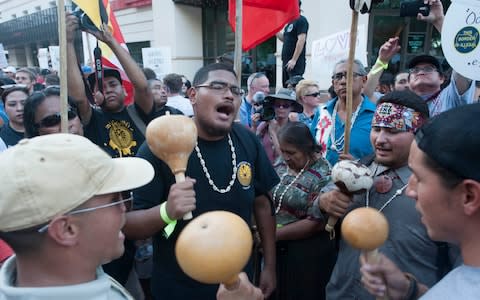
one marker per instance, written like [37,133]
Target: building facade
[197,31]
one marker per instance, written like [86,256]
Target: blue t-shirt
[360,145]
[246,113]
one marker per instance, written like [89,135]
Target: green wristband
[381,63]
[168,230]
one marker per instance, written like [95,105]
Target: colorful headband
[391,115]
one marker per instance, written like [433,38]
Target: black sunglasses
[314,94]
[54,120]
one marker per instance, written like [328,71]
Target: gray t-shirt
[461,283]
[408,244]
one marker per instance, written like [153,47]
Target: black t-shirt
[255,176]
[162,111]
[290,37]
[116,133]
[10,136]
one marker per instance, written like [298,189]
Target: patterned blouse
[298,197]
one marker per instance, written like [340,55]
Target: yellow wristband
[381,63]
[167,231]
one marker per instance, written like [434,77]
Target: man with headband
[446,187]
[397,117]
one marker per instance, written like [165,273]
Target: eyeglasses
[221,87]
[426,69]
[339,76]
[88,209]
[316,94]
[54,120]
[282,105]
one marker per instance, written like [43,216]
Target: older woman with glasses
[283,102]
[305,253]
[42,114]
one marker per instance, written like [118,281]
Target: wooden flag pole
[351,58]
[62,41]
[238,40]
[330,226]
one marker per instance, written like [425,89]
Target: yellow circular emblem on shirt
[244,174]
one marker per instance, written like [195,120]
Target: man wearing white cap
[10,72]
[64,226]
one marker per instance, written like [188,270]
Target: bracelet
[381,63]
[164,215]
[412,288]
[167,230]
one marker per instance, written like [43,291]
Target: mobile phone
[413,8]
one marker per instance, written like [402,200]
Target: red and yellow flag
[93,9]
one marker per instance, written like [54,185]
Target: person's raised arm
[436,17]
[386,52]
[143,96]
[76,88]
[301,39]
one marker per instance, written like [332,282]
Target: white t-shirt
[460,283]
[102,288]
[182,104]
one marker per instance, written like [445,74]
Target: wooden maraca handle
[232,283]
[330,226]
[180,177]
[373,257]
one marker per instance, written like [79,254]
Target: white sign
[43,56]
[461,37]
[158,59]
[327,51]
[55,57]
[3,57]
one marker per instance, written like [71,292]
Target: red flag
[262,19]
[93,10]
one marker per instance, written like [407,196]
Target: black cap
[452,140]
[425,59]
[107,72]
[286,94]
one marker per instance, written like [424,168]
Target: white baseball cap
[52,174]
[9,69]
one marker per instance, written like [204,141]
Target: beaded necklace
[338,144]
[395,195]
[279,205]
[207,174]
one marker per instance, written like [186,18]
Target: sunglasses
[284,105]
[316,94]
[54,120]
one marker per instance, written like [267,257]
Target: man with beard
[397,117]
[111,127]
[228,170]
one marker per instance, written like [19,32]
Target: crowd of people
[95,214]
